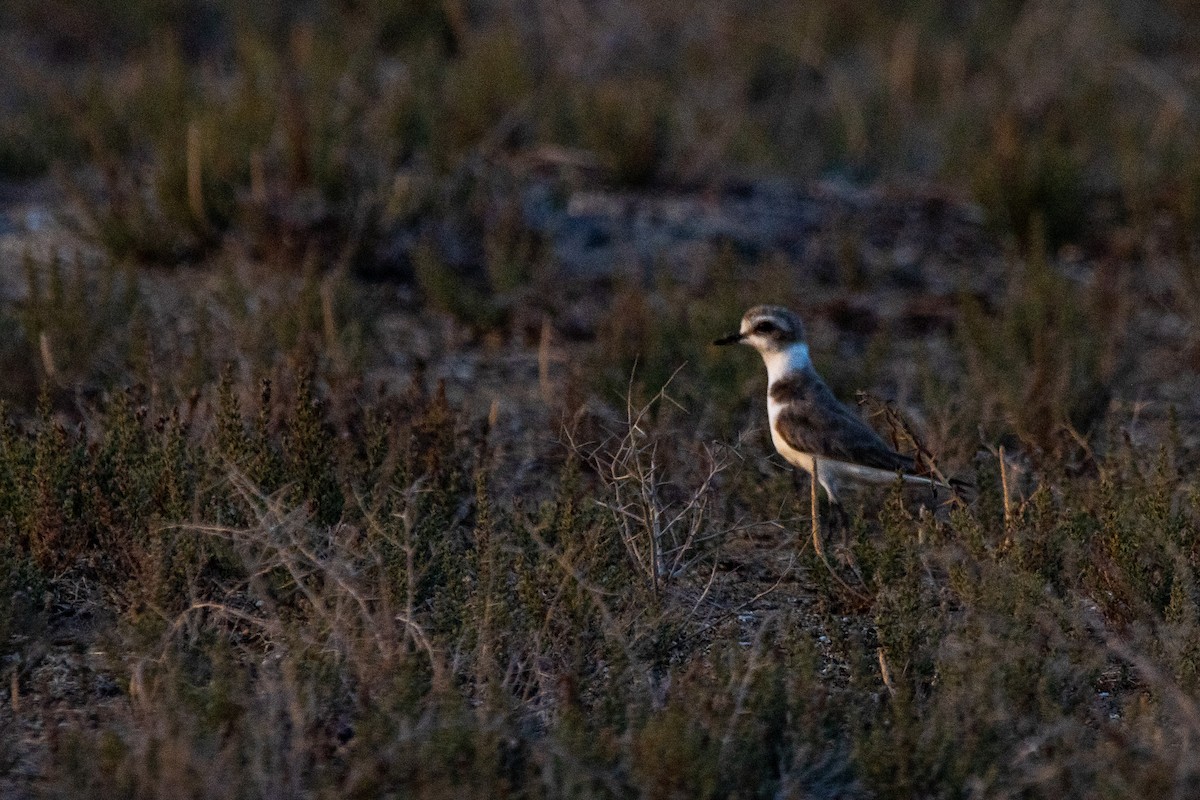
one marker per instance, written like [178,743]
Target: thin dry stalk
[413,631]
[47,354]
[884,671]
[661,538]
[1008,515]
[329,327]
[332,571]
[195,177]
[544,344]
[900,430]
[816,516]
[611,629]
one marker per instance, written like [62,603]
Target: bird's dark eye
[766,327]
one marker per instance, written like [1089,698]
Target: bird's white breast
[782,364]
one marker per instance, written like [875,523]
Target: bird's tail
[961,488]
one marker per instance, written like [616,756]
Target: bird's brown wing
[812,420]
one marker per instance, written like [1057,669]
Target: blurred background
[344,124]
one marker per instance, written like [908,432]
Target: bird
[810,427]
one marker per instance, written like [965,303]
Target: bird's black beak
[732,338]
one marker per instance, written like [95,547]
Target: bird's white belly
[794,457]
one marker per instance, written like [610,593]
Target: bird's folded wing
[814,421]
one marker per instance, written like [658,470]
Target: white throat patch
[784,362]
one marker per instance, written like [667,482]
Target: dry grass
[438,636]
[270,530]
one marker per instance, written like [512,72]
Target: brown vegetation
[361,437]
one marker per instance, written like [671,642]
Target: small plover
[810,427]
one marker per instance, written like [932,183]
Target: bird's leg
[838,516]
[818,546]
[816,512]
